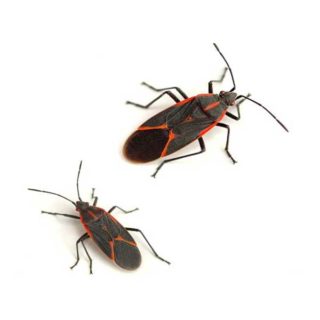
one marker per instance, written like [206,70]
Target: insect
[110,236]
[184,122]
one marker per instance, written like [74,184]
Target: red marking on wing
[163,126]
[111,243]
[119,238]
[171,137]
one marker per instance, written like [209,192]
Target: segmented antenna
[80,165]
[55,194]
[225,60]
[271,114]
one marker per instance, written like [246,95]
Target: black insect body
[184,122]
[110,236]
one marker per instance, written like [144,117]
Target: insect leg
[90,260]
[145,238]
[169,93]
[162,89]
[203,149]
[81,239]
[223,125]
[124,211]
[210,87]
[61,214]
[237,117]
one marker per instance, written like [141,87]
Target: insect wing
[185,133]
[161,118]
[115,241]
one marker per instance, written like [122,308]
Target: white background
[243,239]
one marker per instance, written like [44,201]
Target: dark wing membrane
[187,132]
[145,145]
[126,255]
[115,241]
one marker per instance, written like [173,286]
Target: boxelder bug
[110,236]
[184,122]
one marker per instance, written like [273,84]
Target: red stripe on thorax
[204,95]
[212,105]
[92,215]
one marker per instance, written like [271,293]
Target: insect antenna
[55,194]
[271,114]
[78,180]
[225,60]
